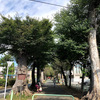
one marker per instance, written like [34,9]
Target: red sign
[21,76]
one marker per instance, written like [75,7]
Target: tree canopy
[3,63]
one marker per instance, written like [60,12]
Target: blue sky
[28,7]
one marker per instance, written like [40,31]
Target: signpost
[9,63]
[20,88]
[21,76]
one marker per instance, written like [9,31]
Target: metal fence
[52,95]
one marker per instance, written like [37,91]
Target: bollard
[11,95]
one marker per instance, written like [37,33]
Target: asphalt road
[48,88]
[2,92]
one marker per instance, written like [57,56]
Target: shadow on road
[48,88]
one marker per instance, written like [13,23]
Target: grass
[19,97]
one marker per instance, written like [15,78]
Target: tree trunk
[21,78]
[82,84]
[65,79]
[70,74]
[91,81]
[33,78]
[38,74]
[95,93]
[83,75]
[70,78]
[95,65]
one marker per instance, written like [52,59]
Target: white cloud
[31,8]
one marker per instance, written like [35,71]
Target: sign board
[21,76]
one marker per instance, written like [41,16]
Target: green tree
[73,36]
[85,14]
[60,66]
[3,63]
[92,6]
[39,63]
[42,50]
[48,71]
[25,39]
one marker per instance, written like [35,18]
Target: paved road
[2,92]
[48,88]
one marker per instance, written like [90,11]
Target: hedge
[2,82]
[10,82]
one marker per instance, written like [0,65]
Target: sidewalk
[48,88]
[2,93]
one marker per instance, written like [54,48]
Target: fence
[52,95]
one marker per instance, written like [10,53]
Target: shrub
[11,82]
[2,82]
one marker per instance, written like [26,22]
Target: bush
[2,82]
[11,82]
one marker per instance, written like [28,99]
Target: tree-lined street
[65,48]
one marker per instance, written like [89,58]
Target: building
[76,74]
[1,74]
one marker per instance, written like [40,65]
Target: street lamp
[9,63]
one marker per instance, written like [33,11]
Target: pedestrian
[54,81]
[39,83]
[37,87]
[40,89]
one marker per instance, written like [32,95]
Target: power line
[49,3]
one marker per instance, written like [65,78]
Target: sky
[30,8]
